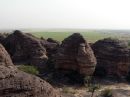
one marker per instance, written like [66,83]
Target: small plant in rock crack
[88,82]
[93,88]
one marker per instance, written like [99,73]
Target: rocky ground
[119,89]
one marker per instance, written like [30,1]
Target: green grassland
[90,36]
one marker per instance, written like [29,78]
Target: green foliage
[106,93]
[29,69]
[87,81]
[92,36]
[94,87]
[129,42]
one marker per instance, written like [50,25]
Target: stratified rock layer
[75,54]
[112,57]
[25,48]
[51,46]
[15,83]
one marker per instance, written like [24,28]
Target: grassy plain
[91,36]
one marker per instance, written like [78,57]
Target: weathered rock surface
[121,93]
[25,48]
[118,93]
[51,46]
[112,57]
[75,54]
[3,37]
[53,41]
[15,83]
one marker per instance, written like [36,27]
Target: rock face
[15,83]
[112,57]
[25,48]
[51,46]
[3,37]
[53,41]
[75,54]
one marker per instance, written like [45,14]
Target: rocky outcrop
[15,83]
[112,57]
[25,48]
[75,54]
[3,37]
[5,59]
[53,41]
[50,45]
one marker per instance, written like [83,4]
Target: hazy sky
[108,14]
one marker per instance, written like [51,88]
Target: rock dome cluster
[108,56]
[15,83]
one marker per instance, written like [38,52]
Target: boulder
[112,57]
[15,83]
[25,48]
[75,54]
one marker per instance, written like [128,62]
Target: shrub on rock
[29,69]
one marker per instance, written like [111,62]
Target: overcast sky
[101,14]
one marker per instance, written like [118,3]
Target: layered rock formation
[15,83]
[75,54]
[26,48]
[112,57]
[51,46]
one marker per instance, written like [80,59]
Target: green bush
[87,81]
[106,93]
[93,87]
[29,69]
[129,43]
